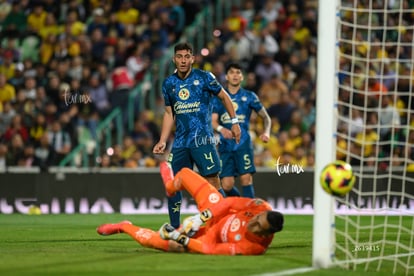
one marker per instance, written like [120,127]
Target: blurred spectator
[177,18]
[8,67]
[270,91]
[116,157]
[282,110]
[73,25]
[128,147]
[264,42]
[98,45]
[59,140]
[3,157]
[99,95]
[122,83]
[270,10]
[37,18]
[239,48]
[356,124]
[38,128]
[6,117]
[15,150]
[251,82]
[296,121]
[16,127]
[27,157]
[388,116]
[44,153]
[127,14]
[18,77]
[51,27]
[87,115]
[105,161]
[267,67]
[218,70]
[137,63]
[248,11]
[29,88]
[98,21]
[155,38]
[15,22]
[301,33]
[68,122]
[235,21]
[7,91]
[47,48]
[76,68]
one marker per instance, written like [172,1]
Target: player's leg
[245,167]
[145,237]
[208,163]
[178,159]
[246,180]
[199,188]
[227,174]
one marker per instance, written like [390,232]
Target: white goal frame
[395,246]
[326,83]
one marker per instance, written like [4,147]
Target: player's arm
[267,122]
[215,122]
[167,232]
[228,105]
[167,125]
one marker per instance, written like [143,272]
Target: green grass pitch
[69,245]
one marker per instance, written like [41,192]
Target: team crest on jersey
[184,94]
[235,225]
[213,198]
[196,82]
[235,106]
[244,98]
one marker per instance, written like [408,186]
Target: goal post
[325,141]
[365,116]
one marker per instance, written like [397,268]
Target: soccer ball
[337,178]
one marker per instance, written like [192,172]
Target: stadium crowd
[65,66]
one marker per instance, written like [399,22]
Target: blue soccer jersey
[244,102]
[190,100]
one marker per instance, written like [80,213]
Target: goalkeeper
[225,226]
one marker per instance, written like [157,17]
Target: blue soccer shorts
[205,157]
[238,162]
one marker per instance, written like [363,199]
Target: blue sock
[174,206]
[233,192]
[222,192]
[248,191]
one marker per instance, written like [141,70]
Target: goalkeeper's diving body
[224,226]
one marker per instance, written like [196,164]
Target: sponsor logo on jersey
[181,107]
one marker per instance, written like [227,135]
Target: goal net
[372,228]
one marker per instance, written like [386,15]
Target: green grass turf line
[69,245]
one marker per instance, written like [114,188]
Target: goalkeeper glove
[192,224]
[168,232]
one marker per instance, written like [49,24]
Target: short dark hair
[183,46]
[233,66]
[275,220]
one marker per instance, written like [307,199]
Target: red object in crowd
[121,79]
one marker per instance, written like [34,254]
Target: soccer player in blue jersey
[237,158]
[188,93]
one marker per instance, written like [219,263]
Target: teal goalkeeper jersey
[190,100]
